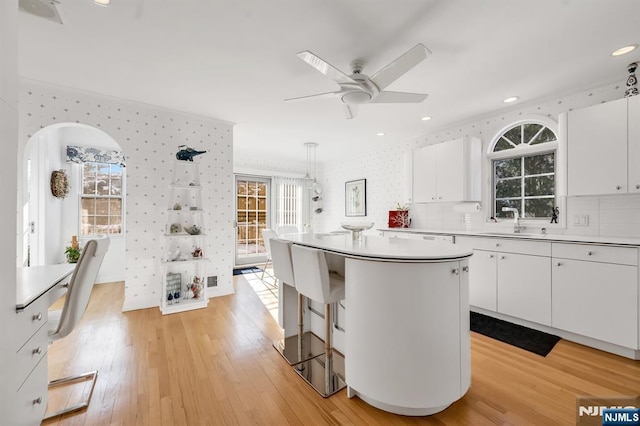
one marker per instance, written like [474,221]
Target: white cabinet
[510,276]
[483,279]
[184,264]
[524,286]
[448,171]
[603,151]
[595,297]
[31,363]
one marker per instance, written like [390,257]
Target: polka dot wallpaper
[149,137]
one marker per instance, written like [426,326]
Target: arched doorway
[49,222]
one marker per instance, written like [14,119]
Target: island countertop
[381,248]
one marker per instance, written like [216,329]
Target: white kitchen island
[407,348]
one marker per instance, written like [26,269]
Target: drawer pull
[589,253]
[38,317]
[637,186]
[490,256]
[455,271]
[497,244]
[558,264]
[618,187]
[37,351]
[501,257]
[38,400]
[465,269]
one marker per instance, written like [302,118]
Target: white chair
[303,345]
[267,235]
[315,281]
[61,323]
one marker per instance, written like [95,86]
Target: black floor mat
[250,270]
[525,338]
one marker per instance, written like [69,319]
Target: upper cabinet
[603,148]
[448,171]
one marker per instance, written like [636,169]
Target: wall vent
[212,281]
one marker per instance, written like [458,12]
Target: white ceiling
[236,60]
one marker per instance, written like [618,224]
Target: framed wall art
[355,198]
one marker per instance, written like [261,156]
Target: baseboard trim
[139,304]
[219,291]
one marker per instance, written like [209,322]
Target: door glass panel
[252,216]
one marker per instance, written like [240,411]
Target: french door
[252,216]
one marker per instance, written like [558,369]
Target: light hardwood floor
[216,366]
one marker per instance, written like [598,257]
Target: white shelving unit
[181,263]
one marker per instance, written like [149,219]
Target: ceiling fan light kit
[359,88]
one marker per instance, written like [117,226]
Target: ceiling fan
[359,88]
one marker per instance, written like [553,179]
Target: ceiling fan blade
[351,111]
[398,98]
[325,68]
[317,96]
[400,66]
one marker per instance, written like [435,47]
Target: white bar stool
[315,281]
[301,346]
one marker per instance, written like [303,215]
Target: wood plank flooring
[216,366]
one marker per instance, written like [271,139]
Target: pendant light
[310,176]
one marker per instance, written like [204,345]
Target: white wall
[8,177]
[387,177]
[150,137]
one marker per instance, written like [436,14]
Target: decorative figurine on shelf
[186,154]
[176,296]
[175,256]
[175,228]
[196,287]
[632,81]
[193,230]
[177,206]
[170,298]
[554,214]
[197,253]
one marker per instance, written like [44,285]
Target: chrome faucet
[516,218]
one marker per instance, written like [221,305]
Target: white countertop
[34,281]
[621,241]
[381,248]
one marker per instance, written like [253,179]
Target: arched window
[523,161]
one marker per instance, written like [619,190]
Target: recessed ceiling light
[511,99]
[426,118]
[102,2]
[379,134]
[624,50]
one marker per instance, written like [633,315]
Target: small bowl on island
[356,228]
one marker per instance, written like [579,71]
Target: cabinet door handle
[490,256]
[37,351]
[38,317]
[38,400]
[465,269]
[501,257]
[637,186]
[558,263]
[618,187]
[497,244]
[455,271]
[589,253]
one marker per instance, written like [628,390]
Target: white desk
[407,339]
[35,289]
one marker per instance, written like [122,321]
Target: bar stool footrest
[314,373]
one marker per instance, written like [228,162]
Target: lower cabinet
[483,280]
[598,300]
[524,287]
